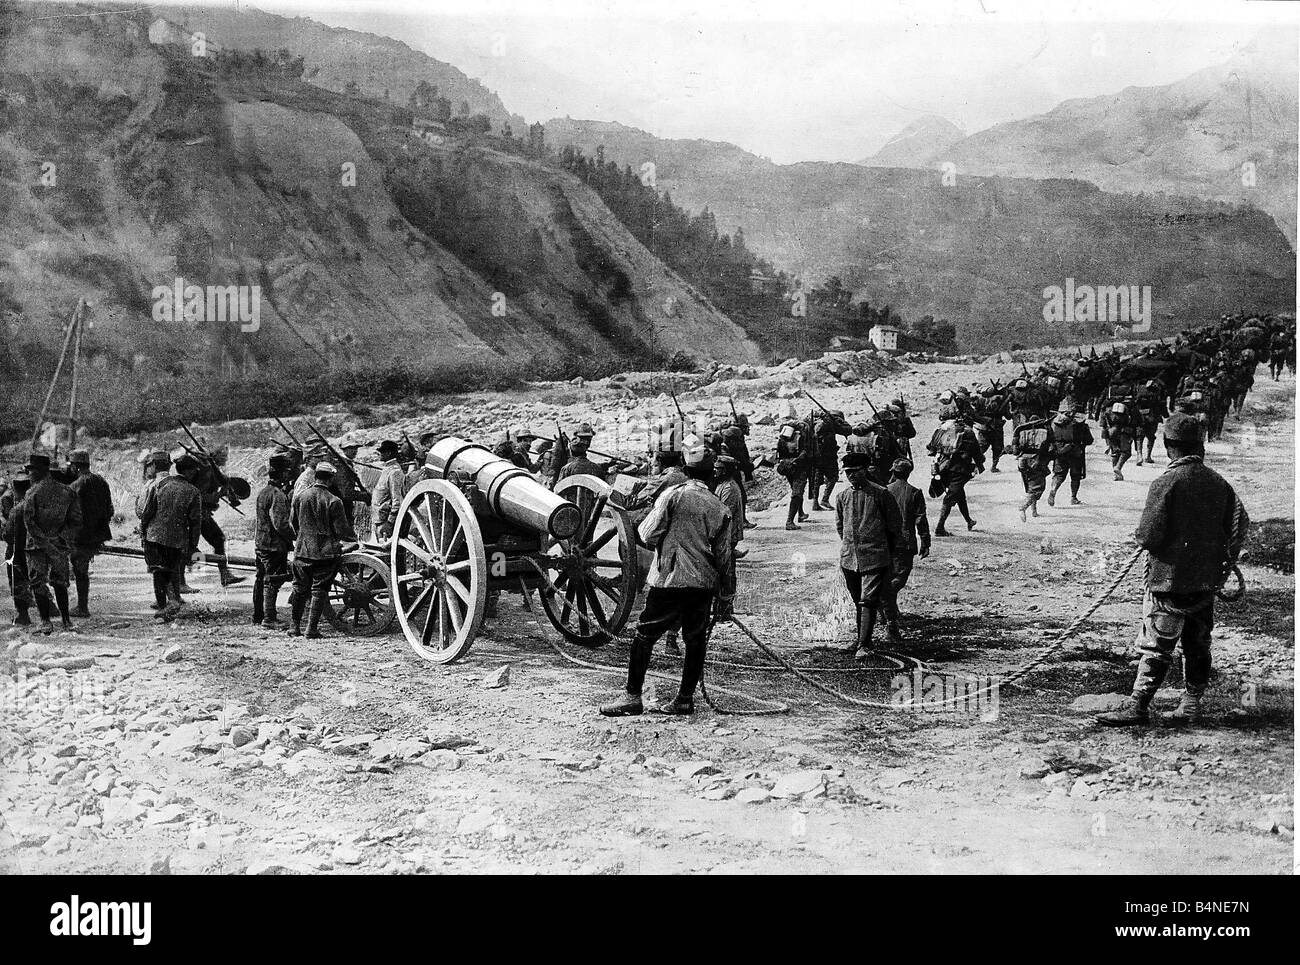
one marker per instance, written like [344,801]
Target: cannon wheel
[595,574]
[361,596]
[439,571]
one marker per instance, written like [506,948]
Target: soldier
[272,540]
[1029,444]
[870,526]
[578,463]
[914,542]
[1152,411]
[726,486]
[306,477]
[691,535]
[883,446]
[389,492]
[1118,429]
[903,425]
[1279,346]
[826,470]
[794,460]
[212,486]
[51,516]
[323,534]
[1193,527]
[15,536]
[1024,403]
[990,424]
[1068,446]
[353,492]
[171,521]
[957,460]
[96,516]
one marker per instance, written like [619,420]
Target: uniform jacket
[96,509]
[1191,527]
[690,532]
[1068,441]
[388,494]
[1030,446]
[51,515]
[916,524]
[581,465]
[172,513]
[273,533]
[870,526]
[732,498]
[320,523]
[956,450]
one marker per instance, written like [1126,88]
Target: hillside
[917,144]
[978,252]
[168,166]
[1191,137]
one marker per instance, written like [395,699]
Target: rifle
[1025,368]
[680,414]
[561,454]
[296,441]
[222,481]
[735,416]
[343,462]
[595,452]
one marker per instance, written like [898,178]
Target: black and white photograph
[680,438]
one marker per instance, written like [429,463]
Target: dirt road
[212,746]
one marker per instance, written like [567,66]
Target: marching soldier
[794,461]
[1151,412]
[213,488]
[870,526]
[1030,446]
[726,486]
[171,521]
[1193,527]
[1118,430]
[826,469]
[323,534]
[96,516]
[51,516]
[273,539]
[1068,446]
[957,460]
[914,542]
[691,535]
[15,536]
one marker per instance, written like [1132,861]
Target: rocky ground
[212,746]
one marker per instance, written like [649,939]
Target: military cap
[279,462]
[325,468]
[856,460]
[344,447]
[584,431]
[38,459]
[1180,427]
[160,457]
[902,466]
[388,448]
[187,463]
[79,457]
[898,403]
[962,390]
[725,461]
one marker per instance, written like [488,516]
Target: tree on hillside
[352,89]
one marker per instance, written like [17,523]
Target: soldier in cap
[903,426]
[793,461]
[1068,446]
[826,469]
[96,516]
[1030,444]
[691,534]
[15,537]
[171,520]
[323,534]
[726,486]
[1193,527]
[1152,410]
[390,490]
[578,463]
[51,516]
[212,485]
[1024,403]
[870,526]
[312,457]
[914,542]
[1118,429]
[957,460]
[272,540]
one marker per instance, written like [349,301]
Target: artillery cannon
[483,526]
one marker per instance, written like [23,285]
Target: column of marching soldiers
[307,516]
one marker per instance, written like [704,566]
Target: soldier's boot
[314,610]
[297,604]
[1074,495]
[1133,714]
[943,518]
[1033,508]
[228,578]
[22,619]
[259,598]
[1051,493]
[671,644]
[43,611]
[174,603]
[269,618]
[1188,710]
[891,625]
[866,631]
[61,600]
[83,595]
[624,705]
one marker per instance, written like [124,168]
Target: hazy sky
[805,80]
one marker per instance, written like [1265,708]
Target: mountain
[979,251]
[1192,137]
[917,144]
[371,247]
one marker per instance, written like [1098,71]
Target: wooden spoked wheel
[594,574]
[439,571]
[361,598]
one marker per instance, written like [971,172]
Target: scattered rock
[346,855]
[476,822]
[173,653]
[753,795]
[497,678]
[799,783]
[67,663]
[695,769]
[239,736]
[1035,769]
[441,760]
[1098,703]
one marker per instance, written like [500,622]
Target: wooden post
[58,369]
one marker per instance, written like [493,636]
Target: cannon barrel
[513,494]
